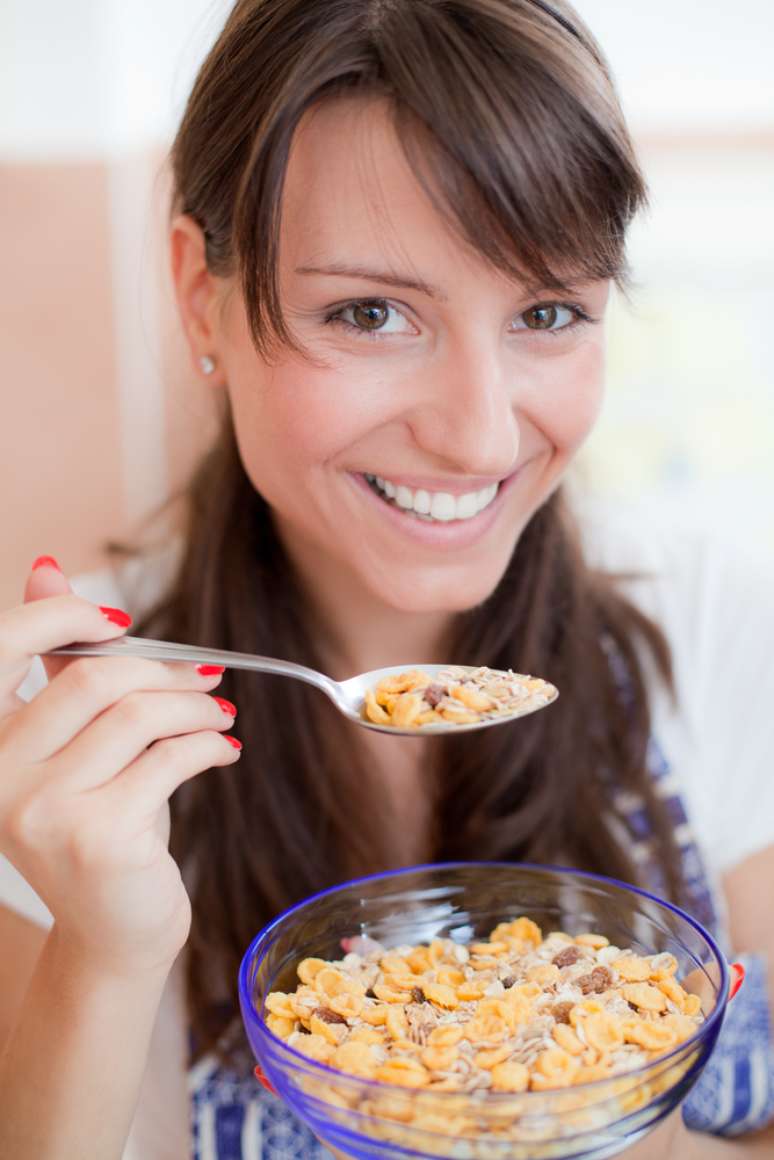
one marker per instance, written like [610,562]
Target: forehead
[351,195]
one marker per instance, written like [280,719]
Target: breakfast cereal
[456,695]
[515,1012]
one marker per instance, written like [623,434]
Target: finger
[89,687]
[150,780]
[10,703]
[121,734]
[46,579]
[45,624]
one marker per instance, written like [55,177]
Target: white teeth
[435,505]
[468,506]
[422,503]
[443,506]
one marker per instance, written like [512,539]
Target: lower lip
[451,534]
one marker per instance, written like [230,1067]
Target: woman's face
[438,404]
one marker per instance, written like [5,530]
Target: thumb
[46,579]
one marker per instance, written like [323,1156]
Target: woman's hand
[86,770]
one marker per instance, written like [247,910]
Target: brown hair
[508,114]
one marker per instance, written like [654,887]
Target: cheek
[296,419]
[568,399]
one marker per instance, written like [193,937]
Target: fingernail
[233,741]
[116,616]
[45,562]
[226,706]
[210,670]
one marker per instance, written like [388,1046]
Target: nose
[465,416]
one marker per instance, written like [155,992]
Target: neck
[355,632]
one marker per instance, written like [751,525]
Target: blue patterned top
[234,1118]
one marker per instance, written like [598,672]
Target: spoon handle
[163,650]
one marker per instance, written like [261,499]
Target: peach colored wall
[59,432]
[63,444]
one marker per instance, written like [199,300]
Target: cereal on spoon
[515,1012]
[456,695]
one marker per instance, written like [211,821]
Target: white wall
[92,77]
[696,64]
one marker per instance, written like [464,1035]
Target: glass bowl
[465,901]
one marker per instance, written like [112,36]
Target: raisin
[603,976]
[596,982]
[509,981]
[434,694]
[418,995]
[566,957]
[561,1012]
[328,1016]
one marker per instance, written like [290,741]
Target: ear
[197,294]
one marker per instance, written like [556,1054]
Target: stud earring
[207,364]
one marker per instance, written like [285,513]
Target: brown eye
[540,317]
[370,315]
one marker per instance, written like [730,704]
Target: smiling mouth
[432,506]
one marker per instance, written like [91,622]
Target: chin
[434,594]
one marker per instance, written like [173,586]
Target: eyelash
[582,317]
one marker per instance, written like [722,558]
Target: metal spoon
[347,696]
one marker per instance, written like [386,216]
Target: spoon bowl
[353,693]
[348,696]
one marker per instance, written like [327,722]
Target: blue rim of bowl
[334,1072]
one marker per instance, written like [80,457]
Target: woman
[396,226]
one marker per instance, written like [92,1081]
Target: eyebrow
[340,270]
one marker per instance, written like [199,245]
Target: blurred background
[102,414]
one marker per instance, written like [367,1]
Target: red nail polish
[45,562]
[233,741]
[116,616]
[210,670]
[262,1079]
[226,706]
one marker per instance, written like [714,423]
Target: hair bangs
[534,167]
[507,116]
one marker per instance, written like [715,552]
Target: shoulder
[664,564]
[711,595]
